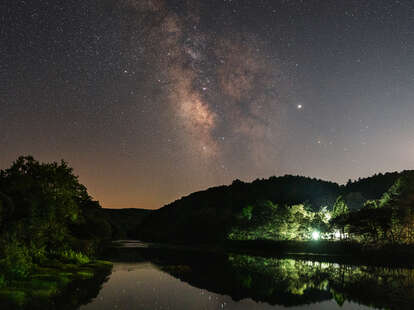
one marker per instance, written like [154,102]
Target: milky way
[152,99]
[223,90]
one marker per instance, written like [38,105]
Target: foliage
[340,207]
[247,213]
[237,210]
[56,286]
[371,204]
[210,215]
[71,256]
[17,262]
[372,187]
[388,220]
[3,281]
[268,221]
[42,208]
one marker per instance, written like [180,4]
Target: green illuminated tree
[340,207]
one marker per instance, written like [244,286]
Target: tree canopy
[44,213]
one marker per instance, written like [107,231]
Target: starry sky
[150,100]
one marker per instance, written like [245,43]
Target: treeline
[208,215]
[378,222]
[387,220]
[267,221]
[46,215]
[288,208]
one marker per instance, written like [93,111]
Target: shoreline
[52,282]
[324,251]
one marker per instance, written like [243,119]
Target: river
[145,278]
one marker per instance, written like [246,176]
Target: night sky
[150,100]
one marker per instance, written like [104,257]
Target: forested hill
[207,215]
[372,187]
[356,193]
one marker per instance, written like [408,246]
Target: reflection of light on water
[130,244]
[147,285]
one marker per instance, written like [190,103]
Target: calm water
[166,279]
[153,278]
[145,286]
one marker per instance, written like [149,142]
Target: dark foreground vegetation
[56,285]
[50,231]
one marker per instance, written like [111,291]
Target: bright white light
[337,234]
[315,235]
[299,106]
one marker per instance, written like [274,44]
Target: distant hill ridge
[124,222]
[206,215]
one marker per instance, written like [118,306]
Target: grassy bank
[55,286]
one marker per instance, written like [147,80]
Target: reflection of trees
[380,287]
[377,286]
[292,282]
[287,282]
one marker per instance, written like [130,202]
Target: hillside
[357,192]
[207,215]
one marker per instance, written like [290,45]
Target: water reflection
[160,279]
[291,282]
[150,286]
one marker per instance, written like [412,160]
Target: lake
[145,278]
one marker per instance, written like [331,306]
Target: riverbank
[55,284]
[345,252]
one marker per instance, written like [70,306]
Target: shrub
[2,281]
[38,254]
[17,262]
[73,257]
